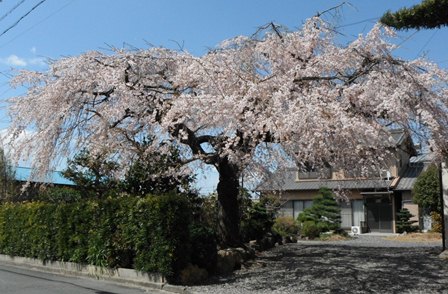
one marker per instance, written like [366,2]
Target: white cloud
[33,50]
[16,61]
[13,60]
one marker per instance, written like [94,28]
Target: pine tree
[428,14]
[404,223]
[325,211]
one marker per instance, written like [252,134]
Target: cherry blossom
[251,103]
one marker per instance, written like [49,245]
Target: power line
[427,42]
[358,22]
[408,38]
[11,10]
[22,17]
[36,24]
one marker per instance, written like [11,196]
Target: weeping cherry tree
[251,103]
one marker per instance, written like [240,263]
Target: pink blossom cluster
[259,102]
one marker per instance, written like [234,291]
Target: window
[352,213]
[299,206]
[346,214]
[287,209]
[358,212]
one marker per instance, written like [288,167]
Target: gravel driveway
[367,264]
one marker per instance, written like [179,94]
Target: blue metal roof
[25,174]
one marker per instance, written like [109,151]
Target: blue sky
[58,28]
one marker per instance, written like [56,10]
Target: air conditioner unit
[356,230]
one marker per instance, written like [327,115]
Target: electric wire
[22,17]
[36,24]
[358,22]
[11,10]
[427,42]
[407,38]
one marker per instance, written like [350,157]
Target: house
[372,202]
[19,177]
[53,178]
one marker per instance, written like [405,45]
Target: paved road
[363,265]
[15,280]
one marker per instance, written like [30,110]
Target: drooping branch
[299,89]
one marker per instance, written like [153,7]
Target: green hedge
[150,234]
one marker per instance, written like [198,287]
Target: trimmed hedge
[149,234]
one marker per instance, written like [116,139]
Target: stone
[193,275]
[444,254]
[245,253]
[254,244]
[227,261]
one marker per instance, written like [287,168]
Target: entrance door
[379,214]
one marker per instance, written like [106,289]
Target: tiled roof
[421,159]
[417,164]
[288,183]
[407,180]
[286,180]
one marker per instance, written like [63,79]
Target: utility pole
[444,198]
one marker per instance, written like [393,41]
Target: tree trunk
[228,207]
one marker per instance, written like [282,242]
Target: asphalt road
[14,280]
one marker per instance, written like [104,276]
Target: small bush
[256,222]
[404,223]
[310,229]
[285,226]
[436,218]
[342,233]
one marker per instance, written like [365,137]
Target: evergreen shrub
[204,247]
[310,229]
[404,223]
[150,234]
[285,226]
[256,222]
[325,214]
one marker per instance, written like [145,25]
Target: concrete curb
[119,275]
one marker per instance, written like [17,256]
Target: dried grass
[333,237]
[417,237]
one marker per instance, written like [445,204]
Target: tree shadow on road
[347,269]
